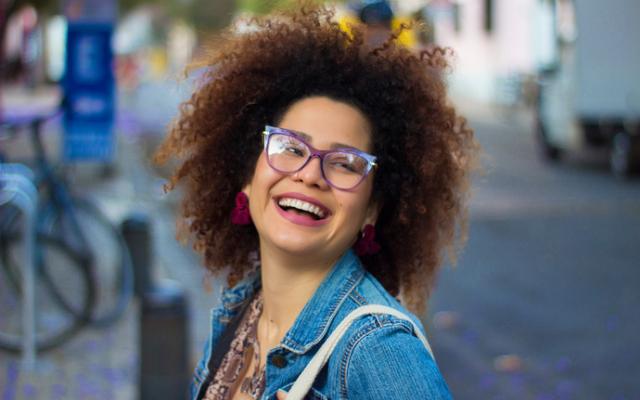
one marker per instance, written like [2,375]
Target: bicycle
[72,227]
[20,330]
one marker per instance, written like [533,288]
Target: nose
[311,173]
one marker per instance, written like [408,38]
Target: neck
[287,285]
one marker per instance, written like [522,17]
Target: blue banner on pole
[89,90]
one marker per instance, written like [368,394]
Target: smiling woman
[285,187]
[343,170]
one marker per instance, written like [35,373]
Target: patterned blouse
[243,349]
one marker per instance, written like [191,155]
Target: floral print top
[243,350]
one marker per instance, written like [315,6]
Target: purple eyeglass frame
[371,159]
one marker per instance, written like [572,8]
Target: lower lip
[299,219]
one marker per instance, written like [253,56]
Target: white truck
[591,96]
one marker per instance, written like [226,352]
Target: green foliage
[208,16]
[173,7]
[204,15]
[124,6]
[262,7]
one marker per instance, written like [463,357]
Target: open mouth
[302,208]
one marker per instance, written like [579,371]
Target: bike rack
[17,187]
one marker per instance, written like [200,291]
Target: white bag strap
[302,385]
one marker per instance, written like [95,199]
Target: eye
[343,165]
[294,149]
[345,162]
[289,146]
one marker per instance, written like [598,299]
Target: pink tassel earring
[366,244]
[240,214]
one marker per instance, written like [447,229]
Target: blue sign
[89,92]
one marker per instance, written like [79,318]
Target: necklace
[266,322]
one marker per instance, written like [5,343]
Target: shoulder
[370,291]
[388,361]
[381,355]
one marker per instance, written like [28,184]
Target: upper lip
[300,196]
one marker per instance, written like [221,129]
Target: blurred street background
[543,302]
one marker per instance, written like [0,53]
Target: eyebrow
[333,146]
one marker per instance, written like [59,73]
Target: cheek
[356,205]
[261,174]
[365,193]
[264,178]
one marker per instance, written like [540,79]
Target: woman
[324,175]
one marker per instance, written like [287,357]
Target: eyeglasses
[343,168]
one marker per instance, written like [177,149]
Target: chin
[300,247]
[297,247]
[301,242]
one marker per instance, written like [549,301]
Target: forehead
[327,122]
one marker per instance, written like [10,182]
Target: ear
[373,210]
[246,189]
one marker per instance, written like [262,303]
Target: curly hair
[425,150]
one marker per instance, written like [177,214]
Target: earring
[366,244]
[240,214]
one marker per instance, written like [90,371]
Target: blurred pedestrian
[377,17]
[322,176]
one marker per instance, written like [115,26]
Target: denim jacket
[378,357]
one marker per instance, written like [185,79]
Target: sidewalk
[103,363]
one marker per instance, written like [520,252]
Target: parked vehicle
[592,95]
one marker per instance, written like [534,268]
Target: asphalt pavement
[543,302]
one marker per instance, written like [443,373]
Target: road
[543,303]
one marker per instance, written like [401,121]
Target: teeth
[301,205]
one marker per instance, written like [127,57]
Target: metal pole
[164,318]
[24,195]
[136,231]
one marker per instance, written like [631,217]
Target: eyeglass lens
[288,154]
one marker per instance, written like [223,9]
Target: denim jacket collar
[234,297]
[314,320]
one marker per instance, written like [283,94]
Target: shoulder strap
[308,375]
[224,343]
